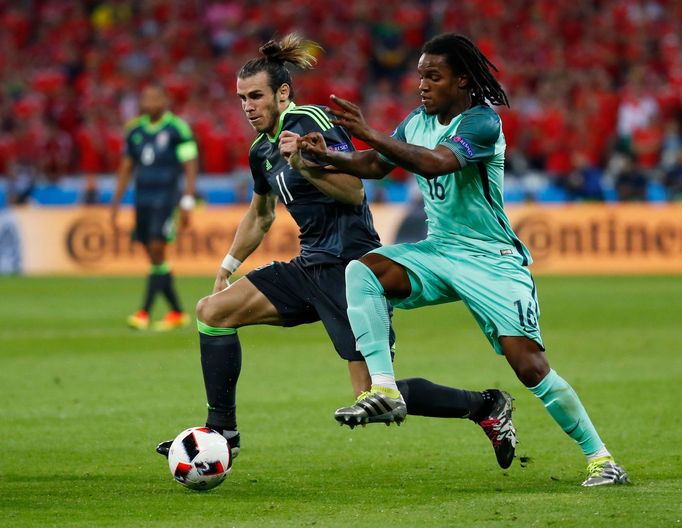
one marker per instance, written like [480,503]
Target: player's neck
[155,118]
[459,105]
[282,108]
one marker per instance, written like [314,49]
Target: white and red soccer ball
[199,458]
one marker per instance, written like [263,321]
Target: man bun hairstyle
[464,57]
[275,54]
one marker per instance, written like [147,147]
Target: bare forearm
[420,160]
[125,171]
[191,170]
[364,164]
[249,235]
[423,161]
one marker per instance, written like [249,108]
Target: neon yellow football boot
[171,321]
[604,471]
[378,405]
[139,320]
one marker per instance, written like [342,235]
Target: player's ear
[283,92]
[463,81]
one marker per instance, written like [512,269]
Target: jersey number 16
[436,189]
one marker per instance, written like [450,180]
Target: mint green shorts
[498,290]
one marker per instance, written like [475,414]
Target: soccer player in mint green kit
[454,145]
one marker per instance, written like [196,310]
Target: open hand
[349,116]
[313,145]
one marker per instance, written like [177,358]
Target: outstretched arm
[365,164]
[341,186]
[420,160]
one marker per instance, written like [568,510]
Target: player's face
[152,102]
[442,91]
[261,106]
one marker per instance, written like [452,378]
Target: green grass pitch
[84,400]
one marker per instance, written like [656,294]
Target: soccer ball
[199,458]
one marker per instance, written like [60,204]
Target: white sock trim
[384,380]
[603,452]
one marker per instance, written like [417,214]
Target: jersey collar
[152,128]
[288,109]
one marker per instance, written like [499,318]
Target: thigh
[328,296]
[501,295]
[286,285]
[429,272]
[241,304]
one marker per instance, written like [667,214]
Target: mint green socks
[563,404]
[368,316]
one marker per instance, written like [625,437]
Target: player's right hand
[288,144]
[350,117]
[313,144]
[222,281]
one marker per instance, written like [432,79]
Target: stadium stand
[595,88]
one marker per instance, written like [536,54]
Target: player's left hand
[349,116]
[314,145]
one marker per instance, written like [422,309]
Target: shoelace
[362,396]
[595,468]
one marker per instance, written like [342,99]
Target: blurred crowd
[595,86]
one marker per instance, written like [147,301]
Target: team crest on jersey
[465,145]
[162,139]
[339,147]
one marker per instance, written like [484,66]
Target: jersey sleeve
[260,183]
[186,148]
[475,137]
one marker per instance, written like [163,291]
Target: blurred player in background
[159,149]
[335,226]
[454,145]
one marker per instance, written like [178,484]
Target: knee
[529,364]
[355,271]
[532,369]
[526,357]
[360,277]
[156,252]
[206,312]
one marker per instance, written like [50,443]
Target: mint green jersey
[465,208]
